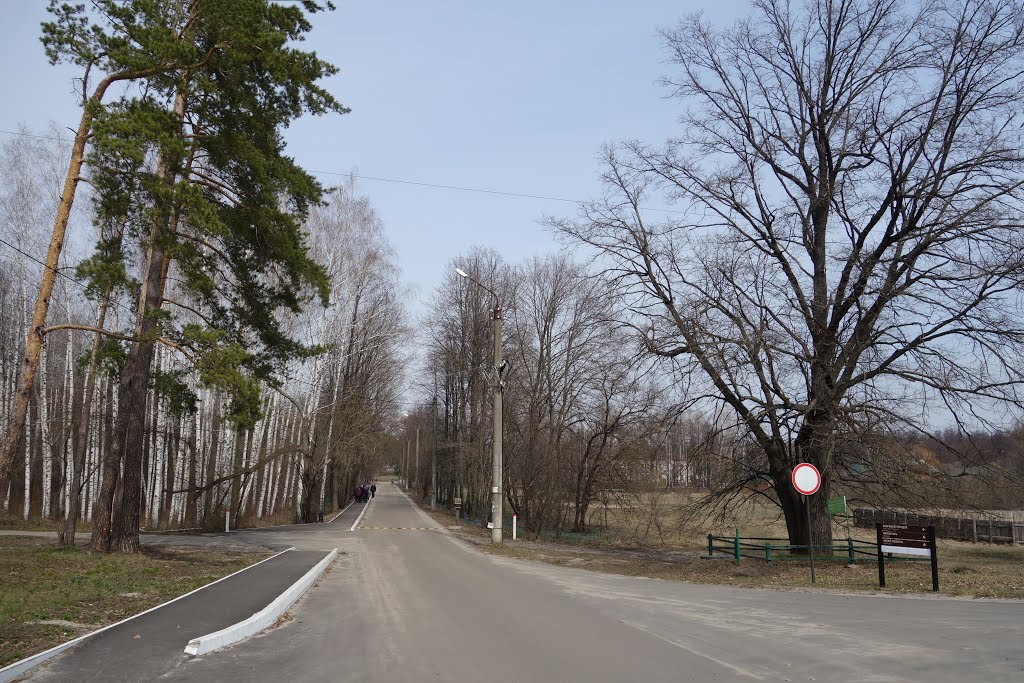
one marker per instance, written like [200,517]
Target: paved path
[147,647]
[405,605]
[408,602]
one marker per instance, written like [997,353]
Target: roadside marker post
[806,480]
[227,520]
[515,519]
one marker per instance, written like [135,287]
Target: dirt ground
[965,569]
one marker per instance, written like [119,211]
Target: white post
[227,520]
[515,518]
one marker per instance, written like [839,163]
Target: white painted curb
[12,671]
[262,619]
[360,517]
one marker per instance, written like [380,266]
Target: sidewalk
[153,644]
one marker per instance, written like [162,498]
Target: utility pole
[416,472]
[499,369]
[405,470]
[496,478]
[433,459]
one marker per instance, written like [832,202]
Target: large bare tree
[846,252]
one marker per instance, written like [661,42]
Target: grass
[635,545]
[9,522]
[42,582]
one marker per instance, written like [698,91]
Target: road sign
[837,506]
[806,478]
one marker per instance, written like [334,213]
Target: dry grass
[42,582]
[9,522]
[633,546]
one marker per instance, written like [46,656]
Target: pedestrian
[373,490]
[359,494]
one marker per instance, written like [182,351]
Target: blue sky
[515,97]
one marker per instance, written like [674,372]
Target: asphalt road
[407,602]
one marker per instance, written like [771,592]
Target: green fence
[780,549]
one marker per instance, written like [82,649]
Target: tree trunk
[211,460]
[134,385]
[35,468]
[190,515]
[236,469]
[167,497]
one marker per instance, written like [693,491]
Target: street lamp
[499,367]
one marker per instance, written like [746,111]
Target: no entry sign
[806,478]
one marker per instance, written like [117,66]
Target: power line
[83,285]
[62,274]
[414,183]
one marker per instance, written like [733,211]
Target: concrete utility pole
[416,472]
[496,477]
[497,495]
[433,458]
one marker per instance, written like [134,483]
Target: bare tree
[847,253]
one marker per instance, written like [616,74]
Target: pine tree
[223,205]
[117,43]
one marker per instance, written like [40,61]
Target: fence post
[711,545]
[737,545]
[881,559]
[768,553]
[849,544]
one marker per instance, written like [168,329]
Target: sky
[511,97]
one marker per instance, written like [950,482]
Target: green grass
[44,582]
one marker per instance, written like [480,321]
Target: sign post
[902,539]
[807,480]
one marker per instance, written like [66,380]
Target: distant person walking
[373,490]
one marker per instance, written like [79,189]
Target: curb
[12,671]
[262,619]
[360,517]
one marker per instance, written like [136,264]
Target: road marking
[740,670]
[400,528]
[340,513]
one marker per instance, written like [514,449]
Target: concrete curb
[262,619]
[360,517]
[12,671]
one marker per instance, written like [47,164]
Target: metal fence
[770,550]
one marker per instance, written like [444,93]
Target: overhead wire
[414,183]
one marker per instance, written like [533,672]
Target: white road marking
[739,670]
[340,513]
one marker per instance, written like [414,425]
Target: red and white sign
[806,478]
